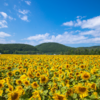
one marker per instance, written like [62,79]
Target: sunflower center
[0,85]
[26,83]
[35,84]
[93,86]
[14,96]
[77,73]
[60,98]
[86,76]
[82,89]
[82,66]
[19,82]
[43,79]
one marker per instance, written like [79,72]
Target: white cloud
[91,23]
[6,16]
[28,2]
[6,4]
[3,24]
[65,38]
[3,34]
[68,23]
[38,37]
[24,18]
[23,12]
[3,14]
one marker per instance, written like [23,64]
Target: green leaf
[74,95]
[45,92]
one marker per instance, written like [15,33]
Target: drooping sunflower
[43,79]
[85,75]
[34,85]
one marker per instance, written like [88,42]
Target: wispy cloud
[28,2]
[6,4]
[80,17]
[23,11]
[3,24]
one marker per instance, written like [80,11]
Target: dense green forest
[17,49]
[48,48]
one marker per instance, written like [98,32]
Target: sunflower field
[49,77]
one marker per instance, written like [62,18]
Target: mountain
[13,48]
[52,47]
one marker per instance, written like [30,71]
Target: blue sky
[74,23]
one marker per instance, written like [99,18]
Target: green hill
[52,47]
[17,48]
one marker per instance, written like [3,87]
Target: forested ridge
[48,48]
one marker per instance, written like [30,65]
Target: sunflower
[59,97]
[82,91]
[10,74]
[43,79]
[37,74]
[10,87]
[1,91]
[9,68]
[93,86]
[23,77]
[82,66]
[29,74]
[18,82]
[1,85]
[14,95]
[34,85]
[20,89]
[85,75]
[67,66]
[26,82]
[53,89]
[69,92]
[24,70]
